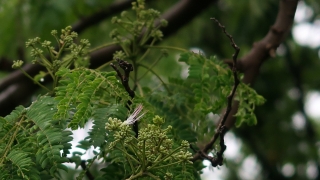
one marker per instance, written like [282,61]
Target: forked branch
[221,130]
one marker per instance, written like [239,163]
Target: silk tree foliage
[80,94]
[36,137]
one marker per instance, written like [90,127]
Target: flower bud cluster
[153,148]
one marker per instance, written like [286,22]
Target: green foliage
[211,82]
[248,100]
[203,92]
[35,141]
[32,140]
[81,91]
[98,134]
[77,54]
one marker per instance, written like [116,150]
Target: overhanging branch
[250,64]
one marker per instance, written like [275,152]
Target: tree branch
[262,50]
[88,173]
[221,130]
[127,68]
[101,15]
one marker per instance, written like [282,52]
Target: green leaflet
[82,90]
[182,128]
[98,134]
[248,99]
[33,138]
[208,79]
[23,164]
[204,92]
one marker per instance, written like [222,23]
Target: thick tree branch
[262,50]
[250,65]
[5,64]
[101,15]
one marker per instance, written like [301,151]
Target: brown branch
[101,15]
[250,64]
[5,64]
[88,173]
[127,68]
[221,130]
[262,50]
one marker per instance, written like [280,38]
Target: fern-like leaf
[83,90]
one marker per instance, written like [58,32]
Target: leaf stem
[164,84]
[168,47]
[26,74]
[102,46]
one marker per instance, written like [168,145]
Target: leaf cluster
[201,97]
[77,54]
[32,141]
[82,91]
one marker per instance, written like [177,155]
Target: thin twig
[84,167]
[88,173]
[127,68]
[221,130]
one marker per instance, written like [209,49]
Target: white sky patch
[298,121]
[304,32]
[197,50]
[312,171]
[250,168]
[307,34]
[184,67]
[79,135]
[312,104]
[303,12]
[216,173]
[294,93]
[233,147]
[288,170]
